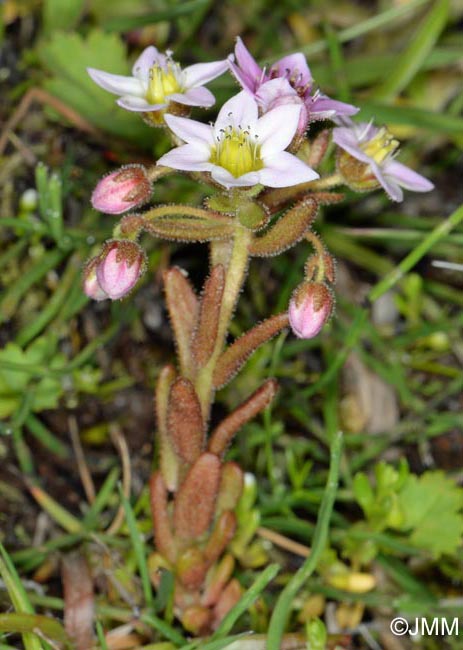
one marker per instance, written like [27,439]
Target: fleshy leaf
[183,307]
[205,336]
[195,501]
[238,353]
[184,420]
[163,536]
[168,460]
[287,231]
[222,435]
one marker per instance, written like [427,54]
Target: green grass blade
[18,595]
[417,117]
[411,60]
[282,608]
[246,601]
[138,549]
[417,254]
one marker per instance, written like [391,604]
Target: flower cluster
[254,143]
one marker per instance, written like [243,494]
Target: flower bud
[122,190]
[309,309]
[120,265]
[90,284]
[356,174]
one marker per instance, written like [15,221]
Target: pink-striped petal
[200,73]
[284,170]
[246,61]
[406,177]
[189,130]
[194,97]
[188,157]
[277,128]
[138,104]
[240,111]
[117,84]
[225,178]
[294,65]
[145,61]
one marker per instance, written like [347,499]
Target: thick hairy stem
[234,278]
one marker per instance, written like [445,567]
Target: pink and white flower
[376,148]
[158,80]
[309,309]
[115,271]
[289,80]
[241,149]
[122,190]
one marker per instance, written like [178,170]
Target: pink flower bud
[122,190]
[309,309]
[120,265]
[90,284]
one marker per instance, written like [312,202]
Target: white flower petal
[200,73]
[189,130]
[138,104]
[194,97]
[117,84]
[276,128]
[224,177]
[145,61]
[284,170]
[188,157]
[240,110]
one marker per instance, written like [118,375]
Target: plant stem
[235,275]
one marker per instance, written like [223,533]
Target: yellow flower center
[163,82]
[382,145]
[237,152]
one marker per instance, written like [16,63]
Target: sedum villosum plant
[260,160]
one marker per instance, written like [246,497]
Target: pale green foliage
[432,506]
[15,383]
[427,507]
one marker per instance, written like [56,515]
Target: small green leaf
[61,14]
[432,505]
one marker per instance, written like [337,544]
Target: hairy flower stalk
[265,194]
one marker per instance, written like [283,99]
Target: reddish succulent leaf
[287,231]
[184,420]
[195,501]
[205,336]
[163,536]
[183,307]
[79,606]
[168,458]
[191,568]
[216,580]
[238,353]
[222,435]
[221,535]
[231,487]
[228,599]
